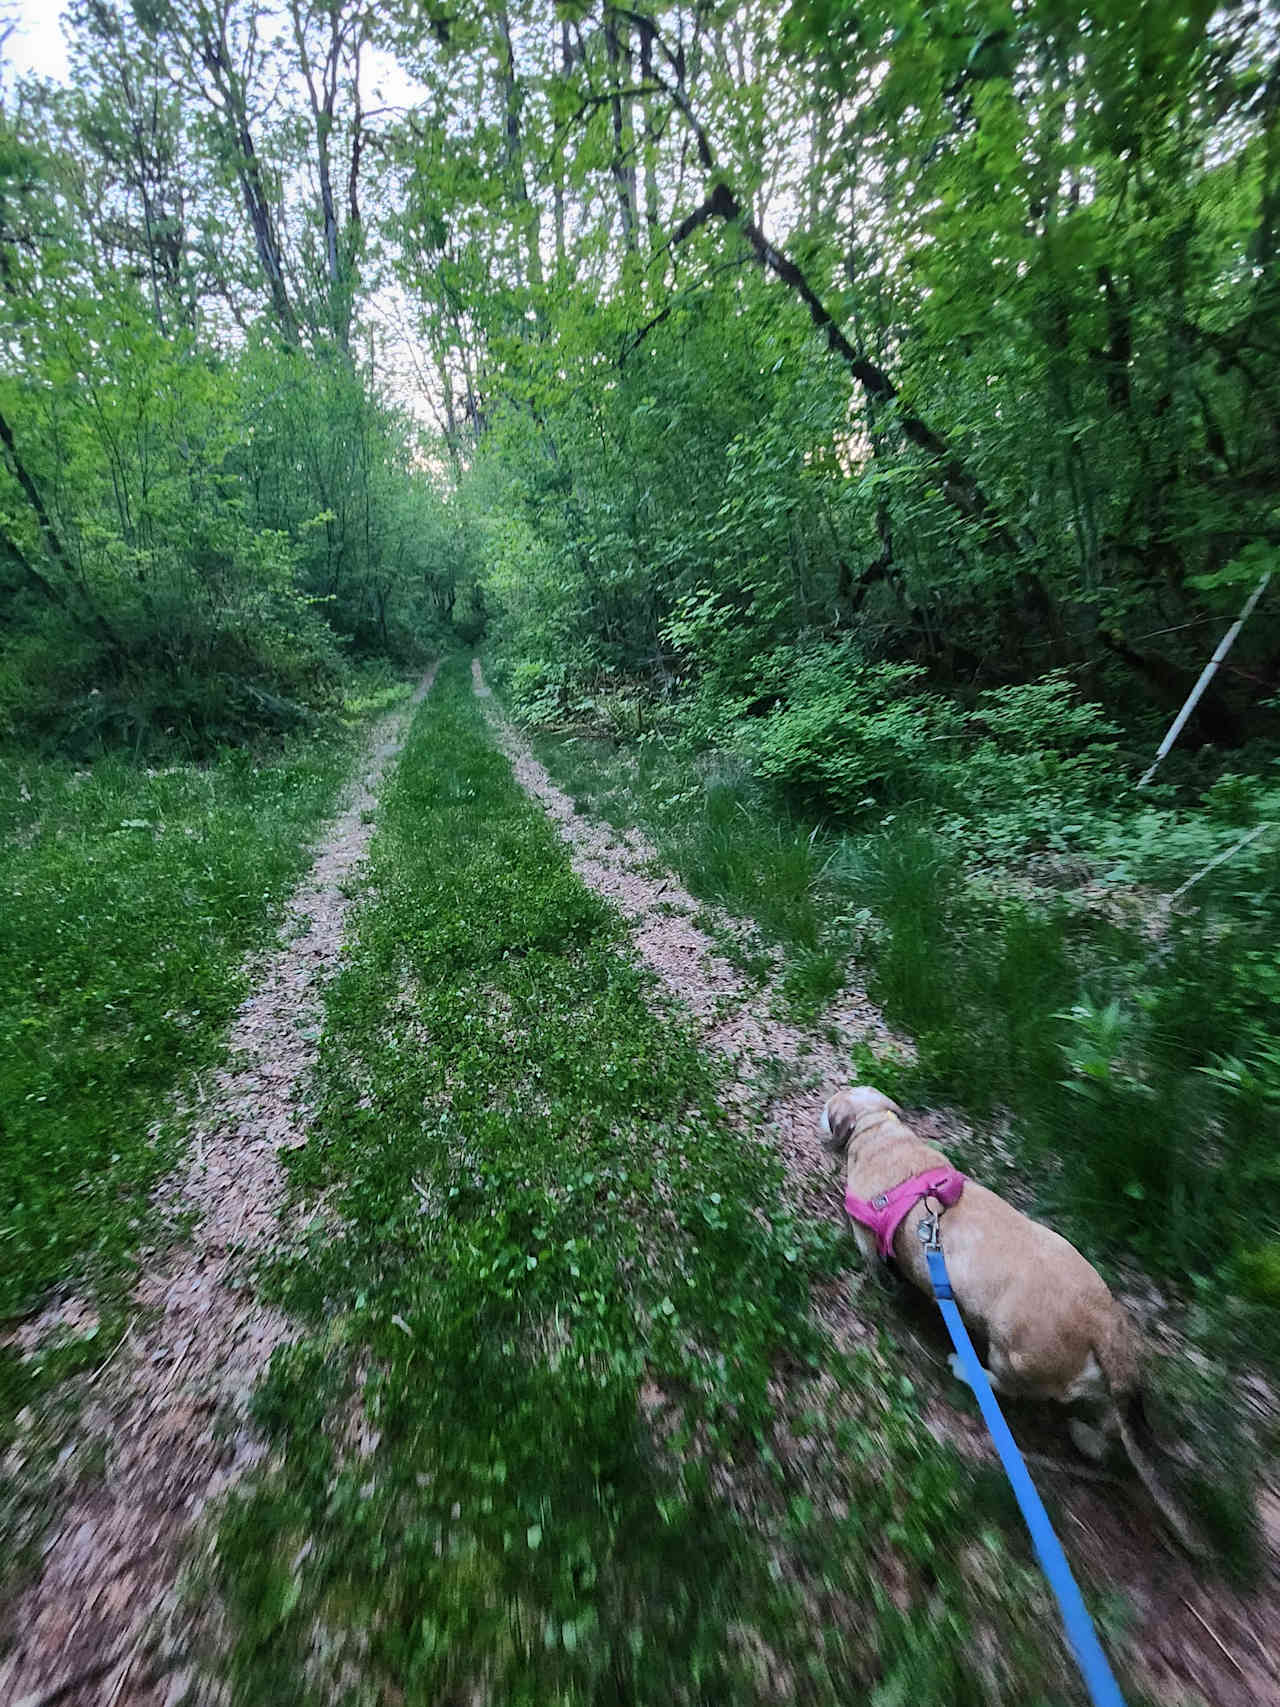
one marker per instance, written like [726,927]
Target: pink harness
[886,1213]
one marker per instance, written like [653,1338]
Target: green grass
[559,1426]
[128,902]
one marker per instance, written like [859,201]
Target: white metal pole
[1206,676]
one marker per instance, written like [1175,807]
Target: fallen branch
[1210,1631]
[959,486]
[1221,859]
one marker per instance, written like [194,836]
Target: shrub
[847,734]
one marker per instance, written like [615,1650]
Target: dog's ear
[866,1099]
[836,1124]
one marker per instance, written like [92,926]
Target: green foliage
[215,580]
[661,487]
[1045,441]
[712,821]
[196,531]
[847,734]
[822,505]
[1125,1052]
[1255,561]
[1142,1074]
[828,730]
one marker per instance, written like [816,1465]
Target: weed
[776,1077]
[813,976]
[741,949]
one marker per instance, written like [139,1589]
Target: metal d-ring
[929,1231]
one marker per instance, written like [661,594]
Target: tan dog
[1052,1328]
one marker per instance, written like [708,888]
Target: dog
[1051,1326]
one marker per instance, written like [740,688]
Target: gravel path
[102,1623]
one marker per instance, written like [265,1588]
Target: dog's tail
[1121,1364]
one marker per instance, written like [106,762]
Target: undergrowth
[1131,1039]
[559,1426]
[1124,1044]
[129,899]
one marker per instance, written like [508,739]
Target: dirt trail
[172,1405]
[1190,1635]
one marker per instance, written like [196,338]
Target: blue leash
[1099,1680]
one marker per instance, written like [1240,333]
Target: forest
[841,432]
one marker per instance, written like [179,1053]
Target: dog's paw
[958,1369]
[1089,1442]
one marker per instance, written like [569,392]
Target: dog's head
[846,1108]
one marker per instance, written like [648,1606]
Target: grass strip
[560,1426]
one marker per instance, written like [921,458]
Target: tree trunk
[322,92]
[621,166]
[229,101]
[652,206]
[526,210]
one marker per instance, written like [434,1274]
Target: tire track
[103,1621]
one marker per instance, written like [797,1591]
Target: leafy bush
[848,733]
[195,541]
[830,727]
[1036,746]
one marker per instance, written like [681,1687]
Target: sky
[36,43]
